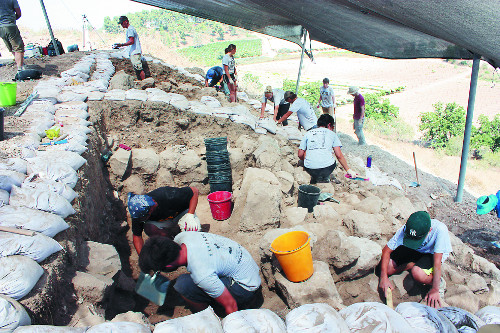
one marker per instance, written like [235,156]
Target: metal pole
[304,34]
[49,27]
[468,127]
[83,33]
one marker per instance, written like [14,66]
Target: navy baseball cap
[417,228]
[139,206]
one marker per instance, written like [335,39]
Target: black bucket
[211,168]
[217,157]
[216,144]
[308,197]
[224,186]
[221,176]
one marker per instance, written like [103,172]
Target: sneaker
[442,288]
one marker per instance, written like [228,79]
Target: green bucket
[8,93]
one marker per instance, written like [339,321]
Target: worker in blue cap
[165,211]
[420,247]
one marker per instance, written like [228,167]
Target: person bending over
[420,246]
[214,76]
[165,211]
[305,113]
[221,270]
[317,150]
[277,96]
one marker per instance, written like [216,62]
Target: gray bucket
[308,197]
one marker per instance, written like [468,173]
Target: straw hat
[353,90]
[269,90]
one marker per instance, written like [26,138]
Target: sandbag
[72,121]
[463,320]
[489,314]
[4,197]
[12,314]
[37,247]
[374,317]
[75,128]
[72,146]
[202,322]
[136,94]
[72,105]
[73,159]
[14,164]
[72,113]
[41,106]
[42,200]
[18,275]
[316,317]
[49,329]
[255,320]
[269,124]
[119,327]
[9,178]
[32,219]
[424,318]
[69,96]
[210,101]
[36,182]
[57,171]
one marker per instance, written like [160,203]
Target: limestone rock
[294,215]
[247,144]
[119,162]
[319,288]
[462,297]
[198,175]
[301,176]
[362,224]
[266,144]
[326,187]
[121,80]
[102,259]
[146,83]
[182,123]
[402,207]
[334,249]
[370,205]
[269,160]
[188,161]
[237,159]
[327,215]
[286,166]
[164,178]
[370,254]
[477,284]
[93,288]
[134,184]
[286,180]
[87,315]
[171,156]
[145,160]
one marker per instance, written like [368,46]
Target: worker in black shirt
[163,212]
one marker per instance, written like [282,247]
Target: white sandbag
[99,85]
[210,101]
[250,121]
[75,72]
[18,275]
[255,320]
[463,320]
[489,314]
[76,129]
[40,128]
[49,329]
[96,96]
[372,317]
[13,164]
[72,105]
[136,94]
[44,92]
[316,317]
[72,113]
[4,198]
[69,96]
[44,106]
[80,138]
[12,314]
[243,96]
[58,171]
[260,130]
[34,181]
[9,178]
[424,318]
[65,120]
[32,219]
[36,247]
[73,159]
[73,146]
[115,95]
[119,327]
[268,124]
[202,322]
[36,116]
[79,89]
[42,200]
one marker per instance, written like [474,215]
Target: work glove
[189,222]
[352,173]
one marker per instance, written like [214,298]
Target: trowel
[153,287]
[415,184]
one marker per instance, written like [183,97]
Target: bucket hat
[268,90]
[139,205]
[352,90]
[417,227]
[486,204]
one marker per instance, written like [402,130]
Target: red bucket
[220,204]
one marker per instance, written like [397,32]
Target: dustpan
[153,287]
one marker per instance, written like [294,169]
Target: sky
[67,14]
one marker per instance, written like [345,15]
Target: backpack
[51,51]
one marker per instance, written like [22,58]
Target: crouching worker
[221,270]
[316,151]
[165,211]
[420,246]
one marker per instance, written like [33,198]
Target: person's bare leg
[143,75]
[393,269]
[196,307]
[420,276]
[19,58]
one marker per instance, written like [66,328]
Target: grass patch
[211,54]
[396,128]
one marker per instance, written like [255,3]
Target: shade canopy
[394,29]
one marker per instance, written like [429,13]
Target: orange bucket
[293,251]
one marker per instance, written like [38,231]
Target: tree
[442,124]
[487,134]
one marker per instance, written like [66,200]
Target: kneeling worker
[220,269]
[213,76]
[163,212]
[420,246]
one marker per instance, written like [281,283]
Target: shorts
[321,175]
[12,38]
[403,255]
[187,288]
[226,79]
[282,109]
[136,61]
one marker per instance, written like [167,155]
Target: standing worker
[304,110]
[9,13]
[214,76]
[230,76]
[134,44]
[359,114]
[163,212]
[326,98]
[277,96]
[316,151]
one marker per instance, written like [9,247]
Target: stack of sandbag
[255,320]
[205,321]
[317,317]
